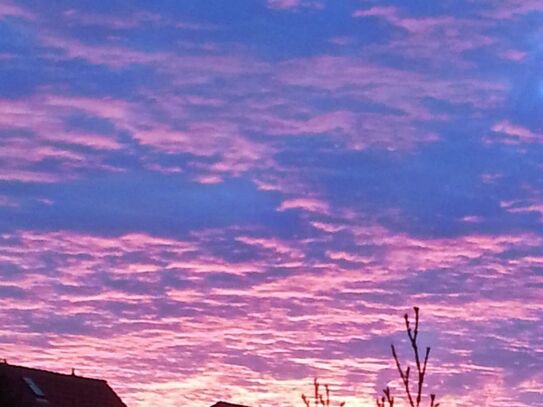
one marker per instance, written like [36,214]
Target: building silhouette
[25,387]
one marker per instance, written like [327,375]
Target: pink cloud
[413,25]
[513,55]
[516,133]
[438,40]
[129,21]
[389,86]
[283,4]
[331,122]
[389,12]
[36,130]
[345,256]
[520,207]
[108,108]
[357,131]
[8,9]
[327,227]
[15,174]
[236,153]
[511,9]
[110,55]
[306,204]
[74,17]
[293,4]
[45,116]
[88,139]
[290,319]
[275,245]
[180,67]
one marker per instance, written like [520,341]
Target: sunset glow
[221,200]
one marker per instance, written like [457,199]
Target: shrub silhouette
[318,398]
[414,399]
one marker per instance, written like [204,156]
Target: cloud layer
[203,202]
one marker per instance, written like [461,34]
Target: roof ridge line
[50,372]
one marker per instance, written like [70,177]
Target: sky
[210,199]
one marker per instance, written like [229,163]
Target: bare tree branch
[413,335]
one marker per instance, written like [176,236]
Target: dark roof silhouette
[25,387]
[225,404]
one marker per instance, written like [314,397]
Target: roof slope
[225,404]
[60,390]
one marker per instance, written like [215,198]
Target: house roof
[225,404]
[34,387]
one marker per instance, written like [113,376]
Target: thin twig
[404,376]
[413,335]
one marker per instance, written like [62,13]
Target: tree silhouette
[414,399]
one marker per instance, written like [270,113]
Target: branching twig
[319,400]
[387,398]
[404,375]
